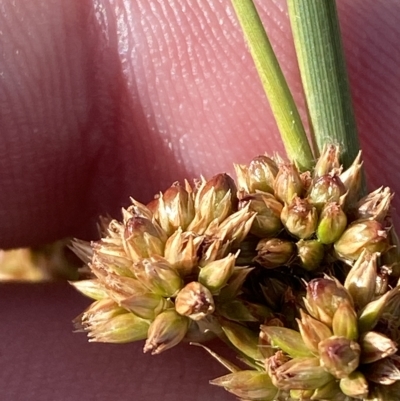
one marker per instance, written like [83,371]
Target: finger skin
[125,97]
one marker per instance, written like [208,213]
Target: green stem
[322,65]
[275,86]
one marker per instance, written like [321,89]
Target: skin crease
[102,100]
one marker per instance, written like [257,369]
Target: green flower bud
[332,223]
[352,180]
[323,298]
[361,279]
[312,331]
[216,274]
[366,234]
[288,340]
[258,176]
[274,252]
[195,301]
[146,305]
[344,323]
[301,394]
[214,200]
[143,238]
[158,276]
[384,372]
[311,253]
[328,160]
[375,346]
[375,206]
[355,385]
[301,374]
[328,188]
[248,384]
[288,183]
[300,218]
[339,356]
[181,251]
[91,288]
[105,321]
[267,221]
[330,391]
[369,316]
[167,330]
[175,209]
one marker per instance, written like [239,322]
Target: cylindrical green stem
[275,86]
[322,65]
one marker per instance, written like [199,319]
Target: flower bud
[352,180]
[375,346]
[366,234]
[215,275]
[301,374]
[383,372]
[158,276]
[344,323]
[361,279]
[328,188]
[375,206]
[300,218]
[370,315]
[355,385]
[105,321]
[328,160]
[181,251]
[258,176]
[267,221]
[312,331]
[288,340]
[215,200]
[167,330]
[175,209]
[143,238]
[332,223]
[91,288]
[274,252]
[311,253]
[288,183]
[301,394]
[329,391]
[339,356]
[194,301]
[323,298]
[248,384]
[146,305]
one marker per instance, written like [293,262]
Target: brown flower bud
[310,253]
[158,276]
[167,330]
[384,371]
[274,252]
[352,180]
[312,331]
[300,218]
[328,160]
[194,301]
[175,209]
[288,183]
[332,223]
[366,234]
[328,188]
[143,238]
[361,279]
[267,221]
[375,205]
[339,356]
[375,346]
[323,298]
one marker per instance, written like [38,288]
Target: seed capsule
[355,385]
[332,223]
[339,356]
[310,253]
[300,218]
[288,183]
[328,188]
[274,252]
[376,346]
